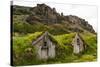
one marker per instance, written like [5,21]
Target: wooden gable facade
[45,46]
[78,44]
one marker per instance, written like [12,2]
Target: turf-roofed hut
[78,44]
[74,41]
[45,46]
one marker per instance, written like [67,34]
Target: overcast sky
[87,12]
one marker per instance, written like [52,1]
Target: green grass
[87,58]
[91,42]
[24,33]
[22,44]
[65,39]
[21,25]
[64,51]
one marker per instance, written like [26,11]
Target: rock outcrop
[45,14]
[79,22]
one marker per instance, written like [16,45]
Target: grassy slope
[20,25]
[27,32]
[23,51]
[21,43]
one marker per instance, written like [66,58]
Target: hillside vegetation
[42,17]
[29,23]
[23,43]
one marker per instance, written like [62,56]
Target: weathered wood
[78,44]
[45,47]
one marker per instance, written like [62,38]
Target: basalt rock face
[44,14]
[79,22]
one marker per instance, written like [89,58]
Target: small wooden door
[44,53]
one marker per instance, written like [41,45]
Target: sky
[87,12]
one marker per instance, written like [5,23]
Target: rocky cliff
[44,14]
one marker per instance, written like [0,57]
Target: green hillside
[23,43]
[29,23]
[20,25]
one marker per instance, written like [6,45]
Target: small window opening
[78,41]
